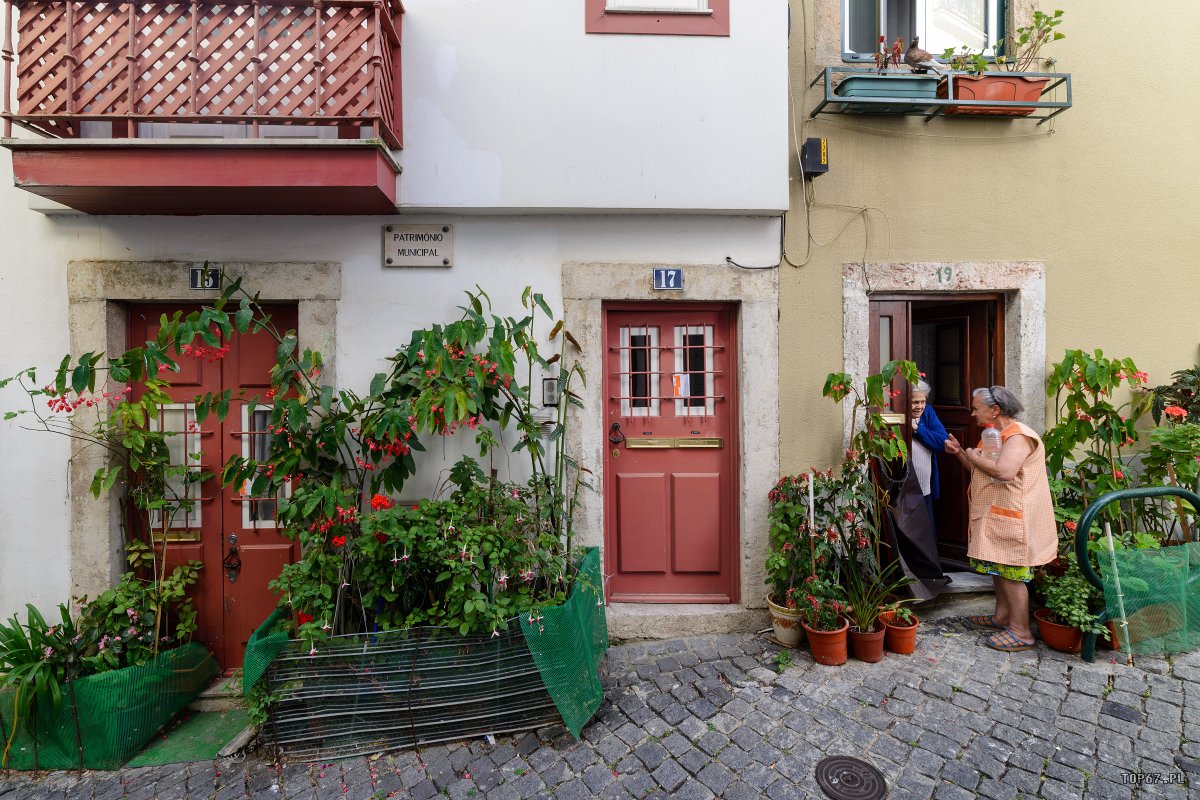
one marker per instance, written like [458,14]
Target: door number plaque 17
[668,278]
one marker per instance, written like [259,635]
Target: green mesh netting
[117,711]
[1153,597]
[265,644]
[431,684]
[568,643]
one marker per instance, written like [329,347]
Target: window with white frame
[659,6]
[939,23]
[258,512]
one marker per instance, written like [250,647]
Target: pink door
[671,459]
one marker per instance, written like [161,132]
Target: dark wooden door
[671,460]
[958,344]
[228,610]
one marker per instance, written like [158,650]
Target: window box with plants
[1012,83]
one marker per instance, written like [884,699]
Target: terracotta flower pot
[786,622]
[899,638]
[1063,638]
[994,86]
[867,646]
[828,647]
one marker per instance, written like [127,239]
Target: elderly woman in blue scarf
[929,437]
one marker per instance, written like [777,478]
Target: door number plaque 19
[668,278]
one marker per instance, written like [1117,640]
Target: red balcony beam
[176,178]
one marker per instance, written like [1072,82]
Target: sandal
[984,621]
[1007,642]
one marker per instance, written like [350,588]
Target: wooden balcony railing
[333,63]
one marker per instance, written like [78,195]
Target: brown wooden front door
[958,342]
[229,607]
[671,455]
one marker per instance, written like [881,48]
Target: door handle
[232,563]
[615,436]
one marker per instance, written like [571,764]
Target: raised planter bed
[116,712]
[368,693]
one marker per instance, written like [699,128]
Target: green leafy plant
[866,596]
[1087,445]
[36,660]
[138,617]
[1021,51]
[1183,392]
[823,604]
[963,60]
[1070,600]
[783,660]
[84,402]
[454,561]
[1018,53]
[902,615]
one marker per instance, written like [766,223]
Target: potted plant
[803,540]
[899,84]
[1068,613]
[865,596]
[823,621]
[900,628]
[1021,52]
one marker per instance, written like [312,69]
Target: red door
[671,458]
[230,604]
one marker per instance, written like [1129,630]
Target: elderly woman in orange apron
[1012,525]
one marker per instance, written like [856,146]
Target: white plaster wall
[33,468]
[511,105]
[378,310]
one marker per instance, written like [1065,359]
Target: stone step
[224,694]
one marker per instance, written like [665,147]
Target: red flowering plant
[822,603]
[366,564]
[873,441]
[113,405]
[1097,403]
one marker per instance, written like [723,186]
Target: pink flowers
[1118,474]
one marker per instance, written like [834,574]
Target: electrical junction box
[814,157]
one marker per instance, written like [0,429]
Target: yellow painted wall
[1107,195]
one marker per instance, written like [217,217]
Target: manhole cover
[845,778]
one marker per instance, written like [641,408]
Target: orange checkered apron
[1012,522]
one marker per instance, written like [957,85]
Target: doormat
[192,737]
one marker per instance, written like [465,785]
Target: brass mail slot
[648,444]
[893,418]
[192,535]
[699,442]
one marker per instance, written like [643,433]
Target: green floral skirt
[1021,574]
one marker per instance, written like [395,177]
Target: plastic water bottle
[989,443]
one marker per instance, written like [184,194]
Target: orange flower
[1175,411]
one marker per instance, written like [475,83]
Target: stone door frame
[98,297]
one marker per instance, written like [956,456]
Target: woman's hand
[952,445]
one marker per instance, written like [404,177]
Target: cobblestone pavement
[711,716]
